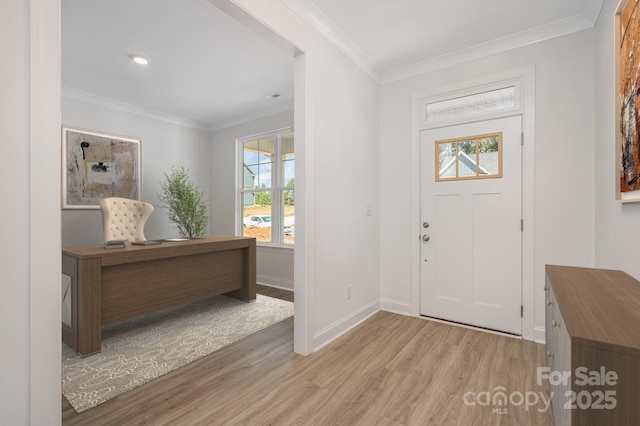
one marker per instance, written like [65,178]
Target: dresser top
[600,307]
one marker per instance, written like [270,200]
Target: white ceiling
[205,67]
[212,71]
[402,38]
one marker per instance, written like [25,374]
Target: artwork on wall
[97,166]
[628,101]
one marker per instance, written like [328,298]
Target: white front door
[471,210]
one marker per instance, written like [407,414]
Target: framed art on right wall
[627,76]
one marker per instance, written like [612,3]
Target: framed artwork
[97,166]
[627,52]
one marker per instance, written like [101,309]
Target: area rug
[138,351]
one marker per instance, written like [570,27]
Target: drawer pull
[549,302]
[549,354]
[555,323]
[545,287]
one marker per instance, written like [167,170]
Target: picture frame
[627,102]
[99,165]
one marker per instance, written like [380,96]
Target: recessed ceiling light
[139,59]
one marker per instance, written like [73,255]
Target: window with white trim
[266,174]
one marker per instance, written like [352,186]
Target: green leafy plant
[184,200]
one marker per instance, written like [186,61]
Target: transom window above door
[470,157]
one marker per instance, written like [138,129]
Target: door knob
[425,224]
[425,238]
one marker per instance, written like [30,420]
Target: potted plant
[184,201]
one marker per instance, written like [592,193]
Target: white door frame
[524,79]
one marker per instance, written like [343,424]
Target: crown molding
[521,39]
[251,116]
[313,16]
[80,95]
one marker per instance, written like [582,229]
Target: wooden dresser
[593,333]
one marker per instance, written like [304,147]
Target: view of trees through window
[267,187]
[473,157]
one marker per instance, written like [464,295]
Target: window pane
[467,158]
[287,145]
[446,160]
[258,156]
[288,220]
[288,160]
[251,152]
[492,100]
[267,194]
[470,157]
[249,176]
[256,218]
[257,176]
[267,150]
[264,175]
[489,155]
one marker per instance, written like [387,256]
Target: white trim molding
[276,282]
[514,41]
[539,335]
[395,306]
[44,223]
[342,326]
[312,15]
[82,96]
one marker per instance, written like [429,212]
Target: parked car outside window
[261,221]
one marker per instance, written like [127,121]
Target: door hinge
[521,311]
[521,225]
[522,138]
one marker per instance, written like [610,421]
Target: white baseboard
[275,282]
[539,334]
[396,306]
[338,328]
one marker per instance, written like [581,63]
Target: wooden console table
[593,330]
[113,285]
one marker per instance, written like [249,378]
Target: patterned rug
[138,351]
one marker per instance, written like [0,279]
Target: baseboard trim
[273,286]
[340,327]
[396,306]
[539,335]
[275,282]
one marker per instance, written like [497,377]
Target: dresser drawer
[558,352]
[591,318]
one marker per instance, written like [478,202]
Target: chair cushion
[124,219]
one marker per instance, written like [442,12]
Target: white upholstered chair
[124,219]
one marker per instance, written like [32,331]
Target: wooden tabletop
[600,307]
[137,253]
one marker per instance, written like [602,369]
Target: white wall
[346,181]
[14,186]
[29,184]
[337,127]
[617,225]
[274,264]
[164,144]
[564,156]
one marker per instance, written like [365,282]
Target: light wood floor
[391,370]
